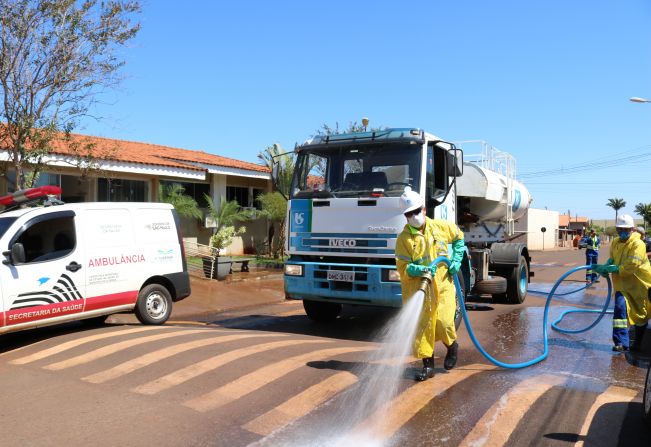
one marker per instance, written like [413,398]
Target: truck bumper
[367,288]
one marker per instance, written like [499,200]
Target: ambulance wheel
[457,313]
[321,311]
[154,304]
[647,398]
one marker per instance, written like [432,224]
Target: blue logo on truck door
[301,216]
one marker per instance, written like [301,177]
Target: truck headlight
[392,275]
[293,270]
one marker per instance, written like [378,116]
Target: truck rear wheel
[493,285]
[154,304]
[517,281]
[321,311]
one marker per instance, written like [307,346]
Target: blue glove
[419,270]
[458,248]
[610,261]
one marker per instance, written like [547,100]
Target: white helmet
[410,200]
[624,221]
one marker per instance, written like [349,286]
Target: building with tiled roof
[132,171]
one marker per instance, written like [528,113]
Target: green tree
[353,127]
[226,217]
[56,59]
[644,211]
[285,162]
[616,204]
[274,207]
[185,205]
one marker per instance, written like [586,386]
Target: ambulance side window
[48,239]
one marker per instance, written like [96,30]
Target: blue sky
[547,81]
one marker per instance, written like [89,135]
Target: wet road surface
[269,376]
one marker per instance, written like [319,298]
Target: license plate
[338,275]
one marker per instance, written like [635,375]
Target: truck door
[50,281]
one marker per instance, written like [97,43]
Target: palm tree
[644,211]
[616,204]
[285,161]
[185,205]
[225,218]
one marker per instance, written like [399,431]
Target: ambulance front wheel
[321,311]
[154,304]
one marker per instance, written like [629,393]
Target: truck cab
[344,214]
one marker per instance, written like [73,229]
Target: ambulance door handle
[73,266]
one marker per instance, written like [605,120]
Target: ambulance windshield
[380,170]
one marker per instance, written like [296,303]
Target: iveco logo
[382,228]
[342,242]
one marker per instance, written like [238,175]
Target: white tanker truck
[344,217]
[489,201]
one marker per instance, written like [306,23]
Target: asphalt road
[261,373]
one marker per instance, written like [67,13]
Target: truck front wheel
[321,311]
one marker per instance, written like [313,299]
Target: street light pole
[637,99]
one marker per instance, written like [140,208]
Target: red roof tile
[146,153]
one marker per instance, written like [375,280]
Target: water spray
[604,310]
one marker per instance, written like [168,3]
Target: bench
[244,262]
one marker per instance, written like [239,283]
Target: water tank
[487,193]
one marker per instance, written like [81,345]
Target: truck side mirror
[16,255]
[455,162]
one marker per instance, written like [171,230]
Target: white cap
[640,230]
[624,221]
[410,200]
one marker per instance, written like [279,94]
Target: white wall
[529,227]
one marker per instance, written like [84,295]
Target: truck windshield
[381,170]
[5,223]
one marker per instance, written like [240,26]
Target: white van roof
[88,205]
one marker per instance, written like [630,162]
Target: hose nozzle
[425,281]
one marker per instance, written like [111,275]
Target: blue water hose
[554,325]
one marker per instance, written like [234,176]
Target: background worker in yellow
[631,275]
[422,240]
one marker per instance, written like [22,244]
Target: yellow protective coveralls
[437,318]
[634,277]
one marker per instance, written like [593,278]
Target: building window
[257,193]
[44,179]
[194,190]
[239,194]
[121,190]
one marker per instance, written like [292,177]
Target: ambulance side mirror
[16,255]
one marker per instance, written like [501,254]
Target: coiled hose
[554,324]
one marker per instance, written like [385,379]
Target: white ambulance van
[89,260]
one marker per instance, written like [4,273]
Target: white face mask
[417,221]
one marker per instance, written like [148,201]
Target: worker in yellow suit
[631,275]
[422,240]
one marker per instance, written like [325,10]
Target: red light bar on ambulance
[25,195]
